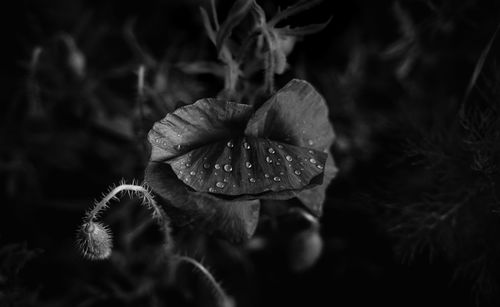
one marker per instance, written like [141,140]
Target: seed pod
[94,241]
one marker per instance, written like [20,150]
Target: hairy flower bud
[94,241]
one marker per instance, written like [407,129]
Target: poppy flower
[212,161]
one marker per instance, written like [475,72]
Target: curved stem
[222,297]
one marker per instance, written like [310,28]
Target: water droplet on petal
[225,180]
[280,146]
[246,145]
[269,160]
[289,158]
[311,152]
[230,144]
[297,172]
[277,163]
[319,166]
[310,142]
[192,173]
[220,184]
[277,179]
[271,150]
[251,179]
[217,166]
[266,175]
[188,164]
[178,147]
[228,168]
[312,160]
[248,164]
[206,165]
[211,190]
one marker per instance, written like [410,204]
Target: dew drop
[206,165]
[310,142]
[225,180]
[230,144]
[186,179]
[319,166]
[228,168]
[269,160]
[266,175]
[277,163]
[246,145]
[311,152]
[217,166]
[289,158]
[188,165]
[251,179]
[280,146]
[248,165]
[312,160]
[277,179]
[282,173]
[297,172]
[271,150]
[178,147]
[220,184]
[211,190]
[192,173]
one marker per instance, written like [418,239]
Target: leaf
[207,24]
[194,125]
[236,14]
[293,10]
[305,30]
[249,166]
[235,220]
[297,114]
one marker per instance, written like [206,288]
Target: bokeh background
[412,219]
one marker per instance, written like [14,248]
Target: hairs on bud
[94,238]
[94,241]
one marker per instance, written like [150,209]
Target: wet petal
[205,121]
[235,220]
[249,166]
[297,114]
[314,198]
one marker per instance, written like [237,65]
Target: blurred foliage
[412,219]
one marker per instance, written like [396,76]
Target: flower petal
[249,166]
[194,125]
[296,114]
[235,220]
[314,198]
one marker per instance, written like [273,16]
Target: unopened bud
[95,241]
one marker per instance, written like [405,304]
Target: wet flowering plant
[213,161]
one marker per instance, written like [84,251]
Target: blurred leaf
[236,14]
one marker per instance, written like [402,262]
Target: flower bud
[95,241]
[305,249]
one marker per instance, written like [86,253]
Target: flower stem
[222,298]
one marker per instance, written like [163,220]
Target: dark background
[411,219]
